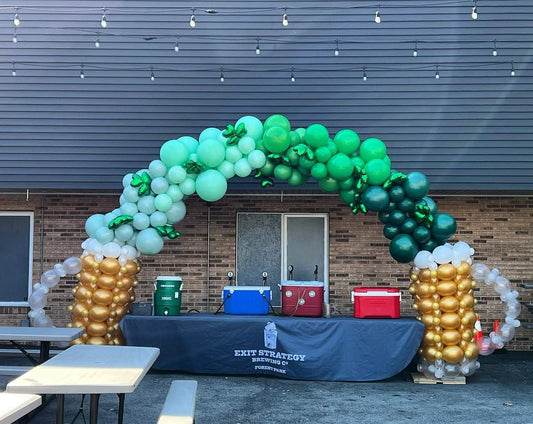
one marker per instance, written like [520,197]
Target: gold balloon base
[102,298]
[445,303]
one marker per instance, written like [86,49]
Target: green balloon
[254,127]
[268,169]
[390,231]
[305,162]
[406,205]
[358,162]
[431,204]
[282,172]
[377,171]
[443,227]
[421,234]
[211,153]
[383,216]
[375,198]
[387,159]
[301,133]
[429,245]
[416,185]
[340,167]
[408,226]
[296,178]
[323,154]
[276,139]
[347,196]
[372,148]
[295,138]
[329,185]
[316,136]
[293,157]
[396,193]
[173,152]
[346,184]
[347,141]
[190,142]
[277,121]
[319,171]
[332,147]
[260,145]
[403,248]
[211,185]
[396,217]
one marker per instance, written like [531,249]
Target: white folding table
[16,405]
[88,369]
[43,335]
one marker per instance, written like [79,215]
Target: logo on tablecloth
[271,335]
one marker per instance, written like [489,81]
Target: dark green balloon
[282,172]
[260,145]
[306,163]
[296,178]
[268,169]
[396,193]
[329,185]
[416,185]
[346,184]
[408,226]
[403,248]
[375,198]
[396,217]
[443,227]
[421,234]
[406,205]
[383,216]
[293,157]
[390,231]
[347,196]
[431,204]
[429,245]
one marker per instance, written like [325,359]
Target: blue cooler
[246,300]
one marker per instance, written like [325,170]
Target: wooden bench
[180,403]
[15,405]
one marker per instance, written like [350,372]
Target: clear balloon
[72,265]
[49,279]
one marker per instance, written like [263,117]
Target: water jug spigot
[291,268]
[265,275]
[230,278]
[316,272]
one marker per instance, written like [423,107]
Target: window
[271,242]
[16,257]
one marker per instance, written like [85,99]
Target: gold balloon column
[102,298]
[445,304]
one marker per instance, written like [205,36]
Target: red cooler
[376,302]
[302,298]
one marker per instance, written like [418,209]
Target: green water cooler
[167,296]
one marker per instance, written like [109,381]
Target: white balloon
[98,257]
[462,250]
[37,300]
[111,250]
[479,271]
[60,270]
[42,321]
[49,279]
[129,252]
[423,259]
[122,260]
[443,254]
[72,265]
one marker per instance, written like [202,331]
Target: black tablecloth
[335,349]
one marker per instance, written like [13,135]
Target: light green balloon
[149,242]
[233,154]
[254,127]
[104,235]
[177,174]
[141,221]
[347,141]
[190,142]
[246,145]
[277,121]
[174,193]
[209,133]
[211,152]
[146,205]
[276,139]
[242,168]
[157,169]
[159,185]
[163,202]
[319,171]
[130,194]
[226,169]
[174,152]
[129,208]
[158,219]
[176,213]
[377,171]
[340,166]
[323,154]
[372,148]
[256,159]
[211,185]
[188,186]
[93,223]
[108,217]
[124,232]
[316,135]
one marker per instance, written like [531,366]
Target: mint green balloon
[254,127]
[246,144]
[233,154]
[163,202]
[141,221]
[211,185]
[130,194]
[276,139]
[377,171]
[190,142]
[256,159]
[211,152]
[158,219]
[124,232]
[316,135]
[177,174]
[176,213]
[104,235]
[347,141]
[175,193]
[340,166]
[173,152]
[226,169]
[209,133]
[242,168]
[93,223]
[188,186]
[159,185]
[157,169]
[372,148]
[130,208]
[149,242]
[277,121]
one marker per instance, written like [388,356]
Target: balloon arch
[442,275]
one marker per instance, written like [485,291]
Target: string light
[97,41]
[152,76]
[16,19]
[494,51]
[15,39]
[415,51]
[14,70]
[285,19]
[474,10]
[221,74]
[293,78]
[177,45]
[437,75]
[377,17]
[257,48]
[103,21]
[364,73]
[192,20]
[82,74]
[336,51]
[512,69]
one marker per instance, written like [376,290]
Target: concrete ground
[501,391]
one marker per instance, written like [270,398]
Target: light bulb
[192,20]
[293,78]
[82,74]
[221,75]
[97,41]
[364,74]
[257,48]
[103,21]
[14,71]
[474,12]
[377,18]
[177,45]
[415,51]
[437,75]
[494,51]
[16,19]
[152,76]
[15,39]
[336,51]
[285,19]
[512,70]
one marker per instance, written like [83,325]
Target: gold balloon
[452,354]
[469,319]
[425,306]
[102,297]
[427,320]
[79,310]
[446,288]
[467,335]
[96,341]
[471,351]
[110,266]
[464,268]
[429,338]
[425,275]
[99,313]
[446,272]
[465,285]
[450,321]
[131,268]
[429,353]
[88,263]
[107,282]
[449,304]
[120,312]
[87,277]
[467,301]
[412,289]
[125,282]
[451,337]
[123,298]
[82,293]
[97,329]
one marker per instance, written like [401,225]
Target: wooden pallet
[420,378]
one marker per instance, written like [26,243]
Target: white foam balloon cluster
[49,278]
[444,254]
[512,307]
[111,249]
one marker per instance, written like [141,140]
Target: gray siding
[471,130]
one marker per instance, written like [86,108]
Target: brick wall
[500,229]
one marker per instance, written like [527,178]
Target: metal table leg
[60,408]
[93,415]
[121,398]
[44,352]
